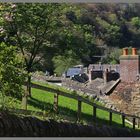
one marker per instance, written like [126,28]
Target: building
[76,70]
[128,70]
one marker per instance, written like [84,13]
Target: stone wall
[13,126]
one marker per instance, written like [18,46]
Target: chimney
[125,51]
[129,65]
[90,75]
[134,51]
[105,76]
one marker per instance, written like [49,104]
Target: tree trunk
[29,85]
[27,93]
[24,100]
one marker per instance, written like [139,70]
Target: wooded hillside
[54,37]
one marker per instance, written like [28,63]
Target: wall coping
[130,57]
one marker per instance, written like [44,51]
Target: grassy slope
[42,100]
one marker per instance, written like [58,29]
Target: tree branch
[19,42]
[38,60]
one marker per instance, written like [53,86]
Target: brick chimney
[90,75]
[129,65]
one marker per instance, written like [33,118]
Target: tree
[29,26]
[12,73]
[32,28]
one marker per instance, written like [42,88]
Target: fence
[80,99]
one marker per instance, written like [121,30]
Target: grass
[43,101]
[63,89]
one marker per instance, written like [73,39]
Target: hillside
[80,32]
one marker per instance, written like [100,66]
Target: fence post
[123,120]
[56,103]
[94,113]
[79,110]
[134,120]
[110,118]
[138,120]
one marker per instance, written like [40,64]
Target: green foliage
[113,18]
[42,31]
[7,102]
[111,32]
[30,27]
[12,74]
[112,56]
[63,62]
[136,22]
[39,30]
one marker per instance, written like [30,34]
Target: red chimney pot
[134,51]
[125,51]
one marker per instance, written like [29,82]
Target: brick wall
[129,67]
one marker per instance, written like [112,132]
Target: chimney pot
[125,51]
[134,51]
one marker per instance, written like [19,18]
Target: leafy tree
[12,74]
[33,27]
[29,26]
